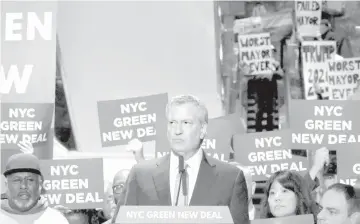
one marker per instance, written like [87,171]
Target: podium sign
[298,219]
[174,214]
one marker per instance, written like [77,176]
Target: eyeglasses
[118,189]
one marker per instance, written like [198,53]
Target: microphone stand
[181,172]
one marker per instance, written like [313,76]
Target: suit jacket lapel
[204,182]
[161,180]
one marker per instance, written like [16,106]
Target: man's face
[185,130]
[118,188]
[23,190]
[334,208]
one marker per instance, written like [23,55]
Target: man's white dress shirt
[193,164]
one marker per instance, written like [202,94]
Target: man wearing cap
[24,204]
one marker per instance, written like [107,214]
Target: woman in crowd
[286,194]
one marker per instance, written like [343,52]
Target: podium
[174,214]
[298,219]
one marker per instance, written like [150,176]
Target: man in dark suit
[209,182]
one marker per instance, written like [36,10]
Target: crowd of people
[209,181]
[189,177]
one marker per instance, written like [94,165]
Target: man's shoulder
[6,218]
[53,214]
[224,167]
[337,36]
[147,165]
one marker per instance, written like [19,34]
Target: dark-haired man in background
[339,205]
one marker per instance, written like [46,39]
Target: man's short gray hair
[190,99]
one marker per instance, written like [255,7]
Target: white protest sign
[308,17]
[315,55]
[343,77]
[256,51]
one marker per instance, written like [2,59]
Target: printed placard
[25,122]
[126,119]
[343,77]
[308,17]
[27,77]
[256,51]
[217,142]
[174,214]
[325,123]
[74,183]
[348,166]
[28,27]
[315,55]
[265,153]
